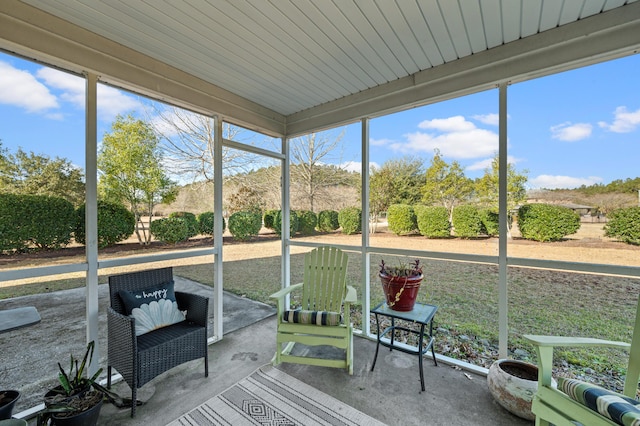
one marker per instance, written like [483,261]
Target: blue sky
[573,128]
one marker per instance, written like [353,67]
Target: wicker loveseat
[140,358]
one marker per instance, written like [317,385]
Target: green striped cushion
[619,408]
[313,317]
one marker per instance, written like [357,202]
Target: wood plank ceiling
[290,56]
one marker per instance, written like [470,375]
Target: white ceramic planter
[510,391]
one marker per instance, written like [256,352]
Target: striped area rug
[272,397]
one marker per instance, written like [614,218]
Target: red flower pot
[401,292]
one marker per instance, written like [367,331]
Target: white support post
[91,216]
[503,300]
[217,231]
[366,258]
[285,229]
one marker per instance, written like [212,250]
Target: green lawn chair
[324,314]
[553,406]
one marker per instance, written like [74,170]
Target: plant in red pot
[401,284]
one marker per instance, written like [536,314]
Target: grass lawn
[540,302]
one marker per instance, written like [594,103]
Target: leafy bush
[307,221]
[547,222]
[191,221]
[466,221]
[269,218]
[350,220]
[294,223]
[401,219]
[490,222]
[170,229]
[115,223]
[624,224]
[328,221]
[40,220]
[206,223]
[433,221]
[245,224]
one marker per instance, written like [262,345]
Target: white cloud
[571,132]
[111,101]
[491,119]
[562,182]
[71,86]
[451,124]
[455,137]
[624,121]
[380,142]
[35,93]
[20,88]
[486,163]
[471,143]
[355,166]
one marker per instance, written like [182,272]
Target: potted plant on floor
[401,284]
[77,399]
[8,400]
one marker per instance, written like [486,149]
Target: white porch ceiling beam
[32,33]
[612,34]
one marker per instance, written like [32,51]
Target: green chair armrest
[283,292]
[552,341]
[545,344]
[352,295]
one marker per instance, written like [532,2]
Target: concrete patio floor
[390,394]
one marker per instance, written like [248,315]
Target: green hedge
[467,221]
[624,224]
[547,222]
[294,223]
[433,221]
[206,223]
[35,220]
[115,223]
[245,224]
[490,222]
[307,222]
[328,221]
[401,219]
[191,221]
[170,230]
[269,218]
[350,220]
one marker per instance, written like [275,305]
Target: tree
[397,181]
[445,184]
[130,163]
[487,188]
[188,140]
[36,174]
[310,174]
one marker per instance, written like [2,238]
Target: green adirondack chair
[324,314]
[552,406]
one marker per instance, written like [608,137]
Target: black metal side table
[421,314]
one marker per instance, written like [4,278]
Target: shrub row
[468,221]
[115,223]
[624,224]
[180,226]
[539,222]
[547,222]
[245,224]
[35,220]
[304,222]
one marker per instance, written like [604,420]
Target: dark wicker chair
[140,359]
